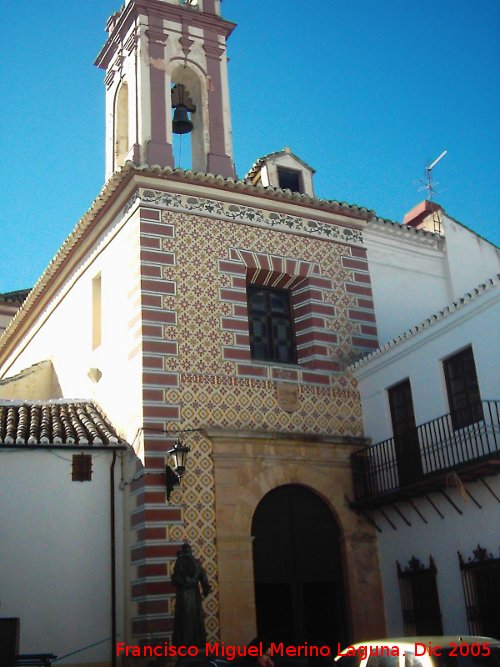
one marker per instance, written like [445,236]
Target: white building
[61,532]
[429,481]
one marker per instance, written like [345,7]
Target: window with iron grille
[420,599]
[271,324]
[463,389]
[82,468]
[481,582]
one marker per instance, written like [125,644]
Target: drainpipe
[113,559]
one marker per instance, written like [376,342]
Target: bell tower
[166,72]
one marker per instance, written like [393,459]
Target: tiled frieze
[248,215]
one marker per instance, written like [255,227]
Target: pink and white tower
[154,45]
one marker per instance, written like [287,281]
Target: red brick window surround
[311,311]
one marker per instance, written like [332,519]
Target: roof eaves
[56,423]
[128,171]
[429,321]
[18,296]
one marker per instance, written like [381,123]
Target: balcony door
[405,433]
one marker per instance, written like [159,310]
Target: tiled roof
[14,297]
[53,423]
[430,321]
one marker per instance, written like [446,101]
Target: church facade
[189,305]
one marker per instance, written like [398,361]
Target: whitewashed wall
[408,274]
[68,320]
[441,538]
[471,259]
[55,553]
[415,273]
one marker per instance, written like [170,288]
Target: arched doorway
[299,592]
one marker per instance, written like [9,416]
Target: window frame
[406,441]
[409,579]
[81,467]
[464,401]
[272,344]
[295,172]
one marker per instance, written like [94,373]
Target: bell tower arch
[154,49]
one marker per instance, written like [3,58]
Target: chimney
[425,215]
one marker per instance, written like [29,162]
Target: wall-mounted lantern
[174,474]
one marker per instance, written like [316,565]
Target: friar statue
[188,577]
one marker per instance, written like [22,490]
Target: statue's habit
[188,577]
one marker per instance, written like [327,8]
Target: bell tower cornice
[120,27]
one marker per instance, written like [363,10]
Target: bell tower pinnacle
[163,57]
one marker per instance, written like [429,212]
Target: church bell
[181,123]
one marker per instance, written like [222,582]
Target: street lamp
[174,475]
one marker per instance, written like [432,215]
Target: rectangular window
[82,468]
[271,324]
[289,180]
[405,433]
[463,390]
[96,312]
[481,582]
[419,599]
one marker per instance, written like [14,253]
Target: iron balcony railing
[454,442]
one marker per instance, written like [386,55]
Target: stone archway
[247,467]
[298,571]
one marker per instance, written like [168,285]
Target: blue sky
[368,92]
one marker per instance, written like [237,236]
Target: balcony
[466,442]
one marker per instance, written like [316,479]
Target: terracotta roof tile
[52,423]
[14,297]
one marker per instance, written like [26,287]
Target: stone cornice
[132,11]
[267,437]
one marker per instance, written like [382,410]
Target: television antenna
[428,184]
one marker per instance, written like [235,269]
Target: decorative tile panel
[249,215]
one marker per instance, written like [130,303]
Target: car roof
[444,640]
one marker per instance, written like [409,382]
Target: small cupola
[284,170]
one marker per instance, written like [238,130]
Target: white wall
[441,538]
[471,259]
[408,274]
[415,273]
[55,552]
[67,320]
[419,358]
